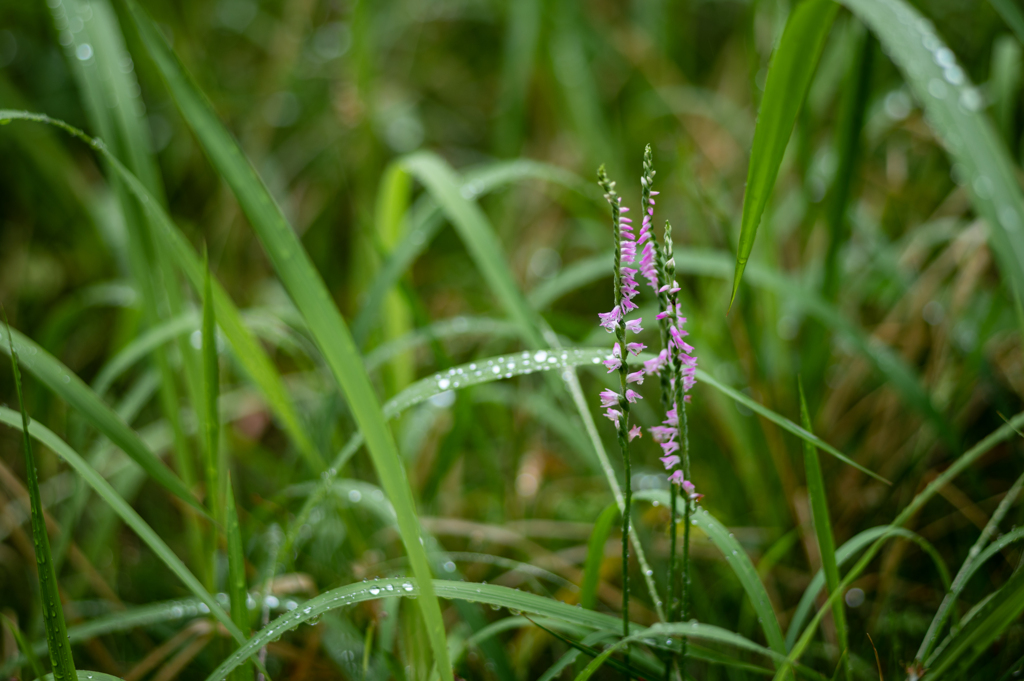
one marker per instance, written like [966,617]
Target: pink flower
[653,366]
[634,433]
[688,487]
[670,447]
[609,398]
[670,461]
[612,363]
[613,415]
[662,433]
[634,325]
[610,319]
[635,348]
[635,377]
[677,477]
[632,396]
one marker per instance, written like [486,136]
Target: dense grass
[304,297]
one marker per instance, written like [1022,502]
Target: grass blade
[249,353]
[974,557]
[844,554]
[130,517]
[976,635]
[955,111]
[491,594]
[236,576]
[468,219]
[789,77]
[595,555]
[958,466]
[65,384]
[785,424]
[717,264]
[823,526]
[739,562]
[210,420]
[53,611]
[310,295]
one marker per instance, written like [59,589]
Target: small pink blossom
[632,396]
[662,433]
[613,415]
[670,461]
[634,325]
[670,447]
[634,433]
[635,377]
[677,477]
[635,348]
[609,398]
[610,319]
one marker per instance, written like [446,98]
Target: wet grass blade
[308,291]
[236,577]
[955,111]
[131,518]
[490,594]
[53,611]
[789,77]
[823,526]
[69,387]
[595,555]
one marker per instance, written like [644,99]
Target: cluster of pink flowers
[615,320]
[655,266]
[678,356]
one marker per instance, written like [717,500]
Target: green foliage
[392,345]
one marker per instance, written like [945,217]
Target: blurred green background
[322,96]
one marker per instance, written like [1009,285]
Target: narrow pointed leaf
[822,524]
[789,77]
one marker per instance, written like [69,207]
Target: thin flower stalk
[616,404]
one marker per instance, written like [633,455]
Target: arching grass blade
[66,385]
[130,517]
